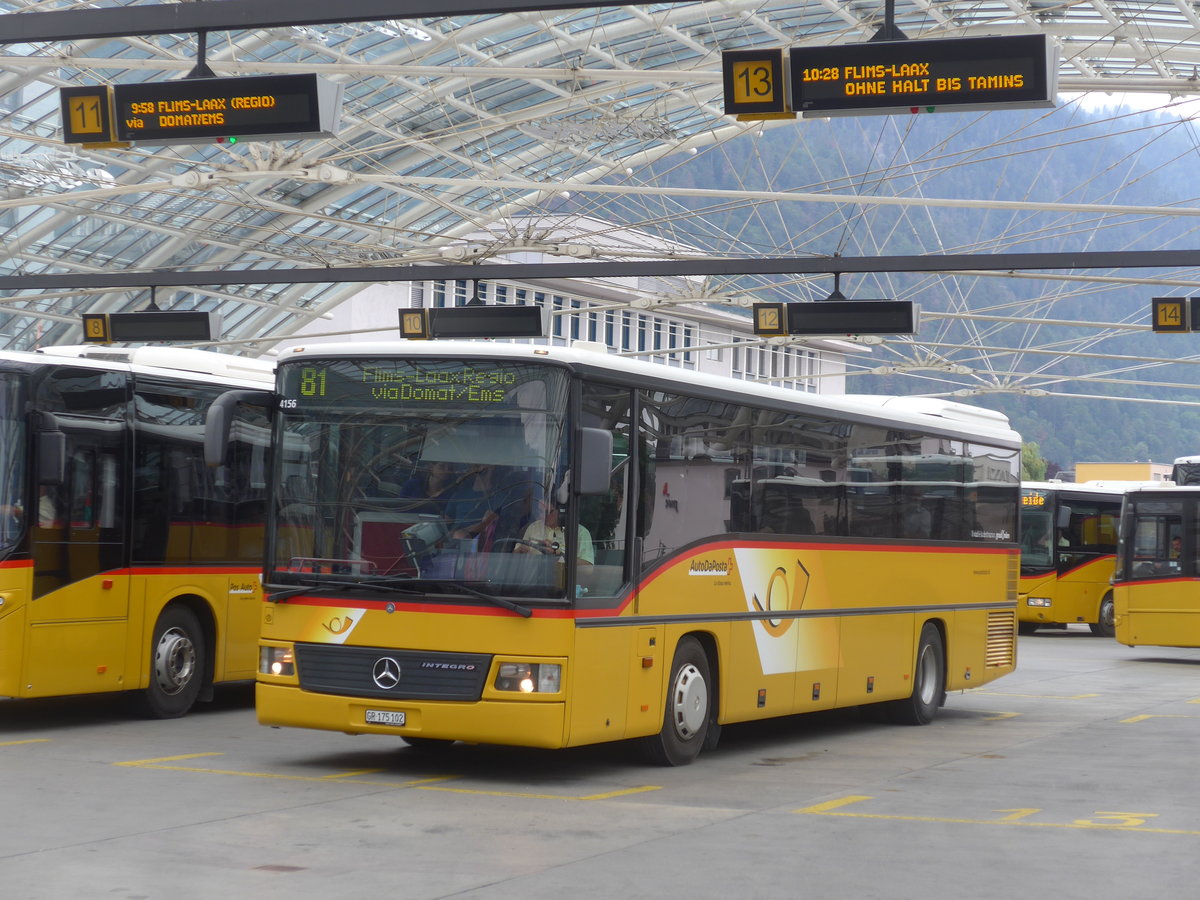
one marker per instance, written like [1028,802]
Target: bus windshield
[12,462]
[435,473]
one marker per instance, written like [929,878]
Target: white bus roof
[920,412]
[176,361]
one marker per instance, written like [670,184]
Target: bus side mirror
[1064,517]
[219,420]
[52,452]
[595,459]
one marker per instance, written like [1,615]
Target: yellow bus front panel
[1074,596]
[1158,612]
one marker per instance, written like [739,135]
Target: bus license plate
[384,717]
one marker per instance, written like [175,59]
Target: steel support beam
[787,265]
[245,15]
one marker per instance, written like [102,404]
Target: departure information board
[261,107]
[1016,72]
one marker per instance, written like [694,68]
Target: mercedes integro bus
[552,547]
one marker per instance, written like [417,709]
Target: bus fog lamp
[528,678]
[1039,601]
[276,661]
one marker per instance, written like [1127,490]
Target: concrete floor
[1073,778]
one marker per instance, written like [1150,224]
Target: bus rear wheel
[1104,627]
[177,664]
[688,712]
[929,679]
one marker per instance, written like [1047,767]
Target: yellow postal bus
[552,547]
[1156,585]
[126,564]
[1068,547]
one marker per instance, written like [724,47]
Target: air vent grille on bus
[1001,638]
[1013,582]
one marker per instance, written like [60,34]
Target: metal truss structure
[461,117]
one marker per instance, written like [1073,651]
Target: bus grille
[1001,639]
[391,674]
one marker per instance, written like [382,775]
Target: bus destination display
[364,384]
[1015,72]
[208,109]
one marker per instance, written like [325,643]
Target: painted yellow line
[833,804]
[149,763]
[998,716]
[1037,696]
[1132,719]
[347,777]
[1016,819]
[425,784]
[625,792]
[29,741]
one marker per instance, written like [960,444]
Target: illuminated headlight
[1039,601]
[276,661]
[528,678]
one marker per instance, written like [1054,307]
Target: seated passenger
[489,504]
[430,490]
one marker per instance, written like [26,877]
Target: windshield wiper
[278,593]
[504,602]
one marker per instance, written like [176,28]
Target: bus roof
[933,414]
[1110,488]
[175,361]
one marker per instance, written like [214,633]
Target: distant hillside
[1059,156]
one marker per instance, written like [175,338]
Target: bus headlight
[528,678]
[276,661]
[1039,601]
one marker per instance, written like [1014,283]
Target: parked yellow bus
[552,547]
[126,564]
[1068,547]
[1156,585]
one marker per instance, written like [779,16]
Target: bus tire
[929,679]
[688,708]
[1104,626]
[177,664]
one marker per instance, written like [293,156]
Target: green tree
[1033,466]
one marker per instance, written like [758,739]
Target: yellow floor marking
[1143,718]
[29,741]
[348,777]
[833,804]
[1037,696]
[997,716]
[1017,818]
[624,792]
[1197,700]
[425,784]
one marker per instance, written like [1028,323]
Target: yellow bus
[552,547]
[126,564]
[1156,584]
[1068,547]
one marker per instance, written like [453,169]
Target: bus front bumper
[525,724]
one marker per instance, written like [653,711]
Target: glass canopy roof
[450,126]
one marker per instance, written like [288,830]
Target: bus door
[1157,598]
[80,606]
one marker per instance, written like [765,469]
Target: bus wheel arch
[1104,626]
[929,679]
[689,707]
[181,659]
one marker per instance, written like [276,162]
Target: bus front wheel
[177,661]
[688,708]
[929,681]
[1104,627]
